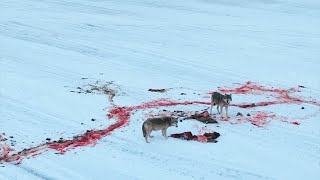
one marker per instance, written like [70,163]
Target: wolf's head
[227,98]
[174,122]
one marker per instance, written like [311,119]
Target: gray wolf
[221,101]
[155,124]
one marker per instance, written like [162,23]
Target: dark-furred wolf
[221,101]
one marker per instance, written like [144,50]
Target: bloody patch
[282,96]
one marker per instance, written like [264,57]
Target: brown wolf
[155,124]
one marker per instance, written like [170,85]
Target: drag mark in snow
[89,138]
[122,115]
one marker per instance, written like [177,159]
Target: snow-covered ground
[49,48]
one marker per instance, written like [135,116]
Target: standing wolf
[155,124]
[221,101]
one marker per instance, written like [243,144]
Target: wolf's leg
[151,136]
[227,111]
[211,108]
[218,109]
[221,108]
[147,135]
[164,133]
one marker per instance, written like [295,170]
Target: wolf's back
[216,96]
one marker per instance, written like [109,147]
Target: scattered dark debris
[248,105]
[93,119]
[248,114]
[48,139]
[99,88]
[302,107]
[81,123]
[11,137]
[206,137]
[301,86]
[100,73]
[239,114]
[177,111]
[183,94]
[157,90]
[164,110]
[84,78]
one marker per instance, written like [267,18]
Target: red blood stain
[5,151]
[258,119]
[202,138]
[122,115]
[295,123]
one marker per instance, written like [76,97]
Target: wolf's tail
[144,130]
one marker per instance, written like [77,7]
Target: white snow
[191,46]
